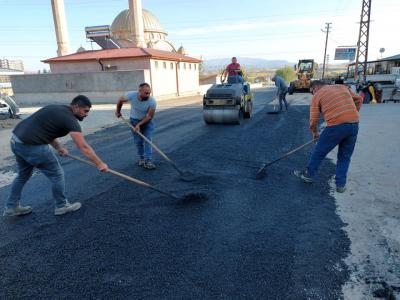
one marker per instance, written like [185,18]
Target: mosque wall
[95,66]
[188,76]
[100,87]
[163,78]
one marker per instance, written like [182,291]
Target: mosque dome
[182,51]
[80,49]
[121,27]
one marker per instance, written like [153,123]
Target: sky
[288,30]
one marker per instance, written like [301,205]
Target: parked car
[8,107]
[5,110]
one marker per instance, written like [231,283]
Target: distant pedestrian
[30,144]
[339,107]
[143,108]
[281,91]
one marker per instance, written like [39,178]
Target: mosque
[134,49]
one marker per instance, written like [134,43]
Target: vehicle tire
[247,112]
[291,88]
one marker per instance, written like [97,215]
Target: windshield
[305,66]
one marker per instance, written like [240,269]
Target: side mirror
[295,67]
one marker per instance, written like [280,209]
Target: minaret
[60,25]
[135,9]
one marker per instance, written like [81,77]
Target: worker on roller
[30,142]
[233,72]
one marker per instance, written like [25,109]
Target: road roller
[227,103]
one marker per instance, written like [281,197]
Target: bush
[287,74]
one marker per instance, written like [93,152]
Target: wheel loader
[228,102]
[305,70]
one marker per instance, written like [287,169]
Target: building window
[184,66]
[164,65]
[172,66]
[156,64]
[190,66]
[195,67]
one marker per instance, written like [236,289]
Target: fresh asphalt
[275,238]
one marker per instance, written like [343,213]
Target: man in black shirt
[30,144]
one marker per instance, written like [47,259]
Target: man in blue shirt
[143,108]
[282,90]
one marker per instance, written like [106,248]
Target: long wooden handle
[154,146]
[131,179]
[286,155]
[146,139]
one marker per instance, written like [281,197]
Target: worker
[340,108]
[30,142]
[233,71]
[143,108]
[281,91]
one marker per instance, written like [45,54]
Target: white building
[135,50]
[170,74]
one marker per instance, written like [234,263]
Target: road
[275,238]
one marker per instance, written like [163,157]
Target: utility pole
[327,27]
[363,38]
[327,63]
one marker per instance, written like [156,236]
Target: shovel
[261,173]
[131,179]
[274,112]
[185,175]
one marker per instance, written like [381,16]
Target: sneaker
[303,175]
[141,162]
[17,211]
[68,207]
[341,189]
[149,165]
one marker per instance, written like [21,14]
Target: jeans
[344,135]
[144,149]
[36,156]
[282,98]
[235,79]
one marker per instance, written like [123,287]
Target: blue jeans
[29,157]
[282,98]
[144,149]
[344,135]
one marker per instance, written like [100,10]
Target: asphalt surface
[233,238]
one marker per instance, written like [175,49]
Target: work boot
[68,207]
[341,189]
[303,175]
[141,162]
[17,211]
[149,165]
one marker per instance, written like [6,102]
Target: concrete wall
[163,78]
[94,66]
[100,87]
[188,76]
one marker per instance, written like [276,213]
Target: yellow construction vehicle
[305,70]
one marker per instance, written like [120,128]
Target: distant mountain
[212,65]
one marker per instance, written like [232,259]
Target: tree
[287,73]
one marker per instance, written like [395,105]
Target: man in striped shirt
[339,107]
